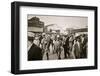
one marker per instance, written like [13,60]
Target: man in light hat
[35,52]
[36,41]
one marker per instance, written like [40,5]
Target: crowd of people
[74,46]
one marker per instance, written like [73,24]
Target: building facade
[35,25]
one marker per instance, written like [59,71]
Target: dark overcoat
[35,53]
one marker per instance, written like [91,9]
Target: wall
[5,37]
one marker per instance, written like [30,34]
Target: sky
[63,22]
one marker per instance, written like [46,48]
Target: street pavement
[53,56]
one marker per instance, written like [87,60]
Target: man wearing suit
[34,53]
[66,47]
